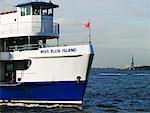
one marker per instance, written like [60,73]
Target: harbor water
[108,91]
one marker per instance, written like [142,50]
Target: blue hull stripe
[45,91]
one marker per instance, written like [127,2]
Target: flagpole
[90,41]
[88,25]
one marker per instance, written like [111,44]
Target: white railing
[25,47]
[29,28]
[37,46]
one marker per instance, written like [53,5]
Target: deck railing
[25,47]
[37,46]
[29,28]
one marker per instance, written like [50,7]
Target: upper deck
[30,19]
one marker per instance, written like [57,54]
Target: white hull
[52,64]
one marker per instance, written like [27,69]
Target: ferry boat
[33,72]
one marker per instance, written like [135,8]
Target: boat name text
[66,50]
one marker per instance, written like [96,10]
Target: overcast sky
[120,28]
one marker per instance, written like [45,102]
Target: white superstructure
[32,70]
[28,21]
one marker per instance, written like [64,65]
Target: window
[10,73]
[36,10]
[44,12]
[28,10]
[9,67]
[47,12]
[22,11]
[50,12]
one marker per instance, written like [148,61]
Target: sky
[119,28]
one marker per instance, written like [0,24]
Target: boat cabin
[27,28]
[31,23]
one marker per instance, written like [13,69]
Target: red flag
[87,25]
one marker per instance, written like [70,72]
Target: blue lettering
[55,50]
[69,50]
[58,50]
[44,51]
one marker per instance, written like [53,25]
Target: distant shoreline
[135,68]
[142,68]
